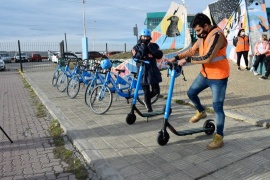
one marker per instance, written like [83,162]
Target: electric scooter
[163,136]
[131,117]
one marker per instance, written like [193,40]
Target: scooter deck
[154,113]
[191,131]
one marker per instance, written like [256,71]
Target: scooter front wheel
[131,118]
[209,125]
[163,137]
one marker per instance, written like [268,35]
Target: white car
[24,57]
[2,65]
[6,58]
[67,55]
[78,54]
[55,57]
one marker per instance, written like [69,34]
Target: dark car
[94,54]
[35,57]
[113,52]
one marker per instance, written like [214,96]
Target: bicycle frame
[119,80]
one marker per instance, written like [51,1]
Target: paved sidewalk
[30,156]
[117,150]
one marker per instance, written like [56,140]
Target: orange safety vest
[219,67]
[242,44]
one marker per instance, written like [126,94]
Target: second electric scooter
[131,117]
[163,136]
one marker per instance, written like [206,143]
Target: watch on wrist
[176,57]
[188,59]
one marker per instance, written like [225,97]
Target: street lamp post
[94,35]
[84,39]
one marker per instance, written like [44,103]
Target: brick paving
[30,156]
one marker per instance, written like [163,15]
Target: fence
[46,49]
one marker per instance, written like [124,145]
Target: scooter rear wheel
[209,125]
[163,137]
[131,118]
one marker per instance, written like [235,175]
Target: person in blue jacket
[145,50]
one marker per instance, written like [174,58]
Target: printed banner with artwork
[172,31]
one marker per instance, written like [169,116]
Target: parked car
[113,52]
[5,57]
[2,65]
[55,57]
[23,56]
[35,57]
[78,54]
[67,55]
[94,54]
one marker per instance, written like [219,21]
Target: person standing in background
[261,48]
[242,48]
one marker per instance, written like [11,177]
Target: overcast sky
[106,20]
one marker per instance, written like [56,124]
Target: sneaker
[198,116]
[252,69]
[255,73]
[238,69]
[263,78]
[247,68]
[216,143]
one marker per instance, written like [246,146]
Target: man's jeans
[218,88]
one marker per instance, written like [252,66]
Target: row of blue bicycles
[101,83]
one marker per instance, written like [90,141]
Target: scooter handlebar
[140,60]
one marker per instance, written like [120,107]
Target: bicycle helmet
[145,32]
[106,64]
[178,71]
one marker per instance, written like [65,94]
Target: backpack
[235,41]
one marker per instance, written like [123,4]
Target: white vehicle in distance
[67,55]
[78,54]
[6,58]
[24,57]
[55,57]
[2,65]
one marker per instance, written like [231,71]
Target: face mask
[203,34]
[145,41]
[242,33]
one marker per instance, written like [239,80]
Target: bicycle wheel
[62,82]
[100,99]
[54,79]
[73,87]
[88,91]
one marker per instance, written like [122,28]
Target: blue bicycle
[101,96]
[62,79]
[59,69]
[97,78]
[81,75]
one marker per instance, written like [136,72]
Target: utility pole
[84,39]
[135,32]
